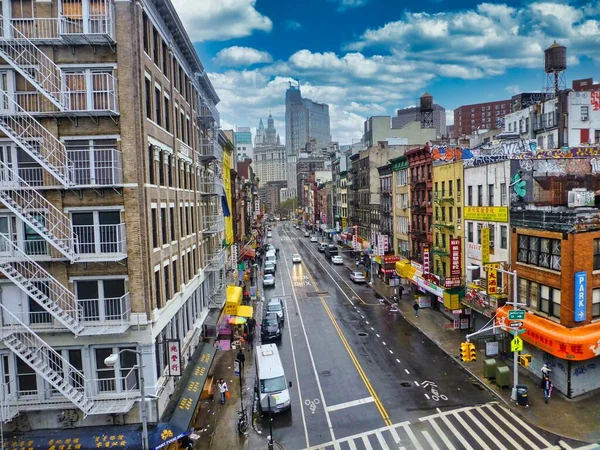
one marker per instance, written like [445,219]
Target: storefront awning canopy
[248,253]
[245,311]
[234,299]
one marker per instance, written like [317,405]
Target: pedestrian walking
[547,388]
[241,358]
[416,308]
[400,291]
[545,370]
[223,390]
[251,340]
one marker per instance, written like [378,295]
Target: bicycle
[243,423]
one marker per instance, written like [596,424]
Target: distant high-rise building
[305,120]
[270,163]
[243,143]
[405,116]
[480,116]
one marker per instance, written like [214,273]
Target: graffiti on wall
[595,99]
[450,154]
[480,160]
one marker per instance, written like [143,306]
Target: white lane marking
[296,370]
[394,434]
[383,343]
[417,383]
[376,335]
[360,401]
[362,316]
[391,352]
[484,429]
[466,426]
[367,322]
[366,443]
[430,440]
[372,329]
[427,396]
[352,445]
[310,354]
[382,442]
[407,372]
[441,434]
[412,436]
[397,360]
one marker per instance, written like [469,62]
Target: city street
[363,377]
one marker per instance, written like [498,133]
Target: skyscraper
[243,143]
[269,155]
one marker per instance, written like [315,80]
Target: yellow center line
[361,372]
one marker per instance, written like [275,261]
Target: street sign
[516,324]
[517,332]
[516,345]
[516,314]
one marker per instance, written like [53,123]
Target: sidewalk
[577,419]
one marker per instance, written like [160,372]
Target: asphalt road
[363,377]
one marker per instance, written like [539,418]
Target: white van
[270,379]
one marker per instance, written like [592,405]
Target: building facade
[413,114]
[127,253]
[421,199]
[269,155]
[401,206]
[243,143]
[488,115]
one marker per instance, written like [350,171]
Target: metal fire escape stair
[37,283]
[33,64]
[30,206]
[38,355]
[35,140]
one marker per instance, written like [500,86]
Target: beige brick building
[111,225]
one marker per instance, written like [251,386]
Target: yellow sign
[344,222]
[492,278]
[487,213]
[516,345]
[485,245]
[451,301]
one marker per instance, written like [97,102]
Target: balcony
[210,184]
[443,196]
[208,114]
[440,251]
[100,243]
[414,181]
[215,260]
[73,26]
[444,225]
[210,149]
[417,206]
[213,223]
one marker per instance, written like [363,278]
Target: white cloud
[344,5]
[241,56]
[293,25]
[513,89]
[449,117]
[221,20]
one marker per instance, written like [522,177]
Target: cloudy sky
[371,57]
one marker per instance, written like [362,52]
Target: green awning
[184,411]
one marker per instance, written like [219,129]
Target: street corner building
[111,223]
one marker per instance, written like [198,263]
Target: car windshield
[274,307]
[295,255]
[358,274]
[272,385]
[268,277]
[272,320]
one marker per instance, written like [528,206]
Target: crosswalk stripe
[394,434]
[474,435]
[536,434]
[352,445]
[430,440]
[412,436]
[455,431]
[365,440]
[500,431]
[510,425]
[484,429]
[441,434]
[382,442]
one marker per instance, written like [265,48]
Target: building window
[549,301]
[585,113]
[503,237]
[167,114]
[151,164]
[172,222]
[470,232]
[155,243]
[98,232]
[148,86]
[167,283]
[479,227]
[155,46]
[596,254]
[157,106]
[503,194]
[492,228]
[159,302]
[490,195]
[101,300]
[163,225]
[470,195]
[146,26]
[528,293]
[165,60]
[119,378]
[596,303]
[541,252]
[479,195]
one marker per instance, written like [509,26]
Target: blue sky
[371,57]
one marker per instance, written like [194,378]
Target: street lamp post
[110,361]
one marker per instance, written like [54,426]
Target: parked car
[337,259]
[331,250]
[306,234]
[269,268]
[269,235]
[313,239]
[275,305]
[357,277]
[269,280]
[296,258]
[270,327]
[322,246]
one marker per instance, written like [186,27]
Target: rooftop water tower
[555,59]
[426,109]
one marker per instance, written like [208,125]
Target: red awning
[248,253]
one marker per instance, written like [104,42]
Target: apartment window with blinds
[541,252]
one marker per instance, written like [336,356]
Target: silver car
[357,277]
[268,280]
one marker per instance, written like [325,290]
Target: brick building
[470,118]
[421,198]
[124,250]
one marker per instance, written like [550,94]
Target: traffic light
[472,352]
[464,352]
[525,360]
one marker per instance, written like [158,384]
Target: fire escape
[24,195]
[211,189]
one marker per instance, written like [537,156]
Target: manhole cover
[405,384]
[362,334]
[326,373]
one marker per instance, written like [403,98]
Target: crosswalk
[484,427]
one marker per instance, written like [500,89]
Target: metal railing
[210,184]
[31,247]
[100,239]
[99,311]
[100,22]
[96,166]
[125,386]
[91,91]
[215,260]
[213,223]
[37,28]
[34,139]
[33,208]
[210,148]
[8,395]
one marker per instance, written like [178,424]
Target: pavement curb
[508,404]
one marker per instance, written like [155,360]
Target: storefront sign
[234,255]
[485,245]
[374,240]
[380,245]
[580,296]
[486,213]
[430,287]
[174,354]
[424,301]
[391,259]
[417,266]
[452,282]
[385,243]
[455,259]
[492,280]
[473,251]
[344,222]
[451,301]
[425,260]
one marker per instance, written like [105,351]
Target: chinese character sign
[492,280]
[355,242]
[425,260]
[380,245]
[234,255]
[580,296]
[485,245]
[174,354]
[455,258]
[385,243]
[374,241]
